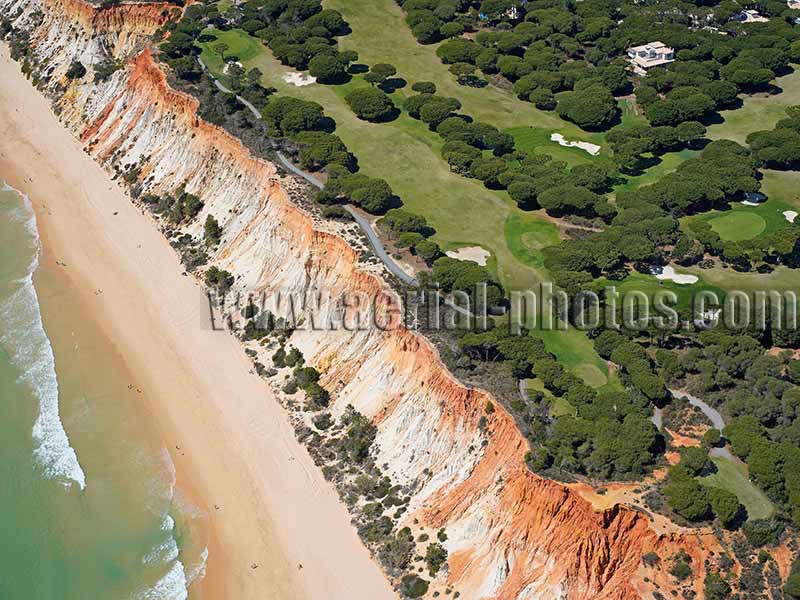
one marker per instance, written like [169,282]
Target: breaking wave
[24,338]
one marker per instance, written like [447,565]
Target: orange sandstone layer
[512,534]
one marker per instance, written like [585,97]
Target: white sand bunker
[299,79]
[473,253]
[790,215]
[226,69]
[668,273]
[592,149]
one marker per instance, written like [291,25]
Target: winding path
[363,223]
[713,415]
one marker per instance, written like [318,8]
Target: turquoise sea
[89,509]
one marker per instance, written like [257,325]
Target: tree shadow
[392,84]
[326,124]
[388,117]
[358,69]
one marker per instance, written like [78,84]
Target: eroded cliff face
[512,535]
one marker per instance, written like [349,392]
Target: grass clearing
[758,111]
[734,477]
[650,286]
[739,225]
[576,353]
[744,222]
[558,406]
[527,234]
[783,186]
[463,211]
[667,163]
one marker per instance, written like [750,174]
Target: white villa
[654,54]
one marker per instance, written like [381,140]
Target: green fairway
[783,186]
[759,111]
[406,154]
[463,211]
[380,35]
[738,225]
[666,163]
[240,45]
[744,222]
[781,279]
[526,234]
[650,286]
[733,476]
[576,352]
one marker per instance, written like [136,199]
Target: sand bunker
[473,253]
[592,149]
[668,273]
[790,215]
[299,79]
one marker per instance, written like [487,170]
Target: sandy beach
[269,508]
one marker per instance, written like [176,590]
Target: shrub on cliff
[218,279]
[715,587]
[413,586]
[435,558]
[76,70]
[212,231]
[370,104]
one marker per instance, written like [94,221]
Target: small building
[655,54]
[750,16]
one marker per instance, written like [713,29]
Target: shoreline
[233,448]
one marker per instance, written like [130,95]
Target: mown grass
[576,353]
[734,477]
[558,406]
[783,186]
[650,286]
[782,279]
[667,163]
[527,234]
[758,111]
[744,222]
[537,140]
[463,211]
[407,154]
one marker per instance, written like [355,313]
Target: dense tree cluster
[573,56]
[301,34]
[372,194]
[631,144]
[370,104]
[611,435]
[780,147]
[646,230]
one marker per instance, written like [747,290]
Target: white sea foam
[168,524]
[165,552]
[29,347]
[171,586]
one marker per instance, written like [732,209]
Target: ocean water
[89,509]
